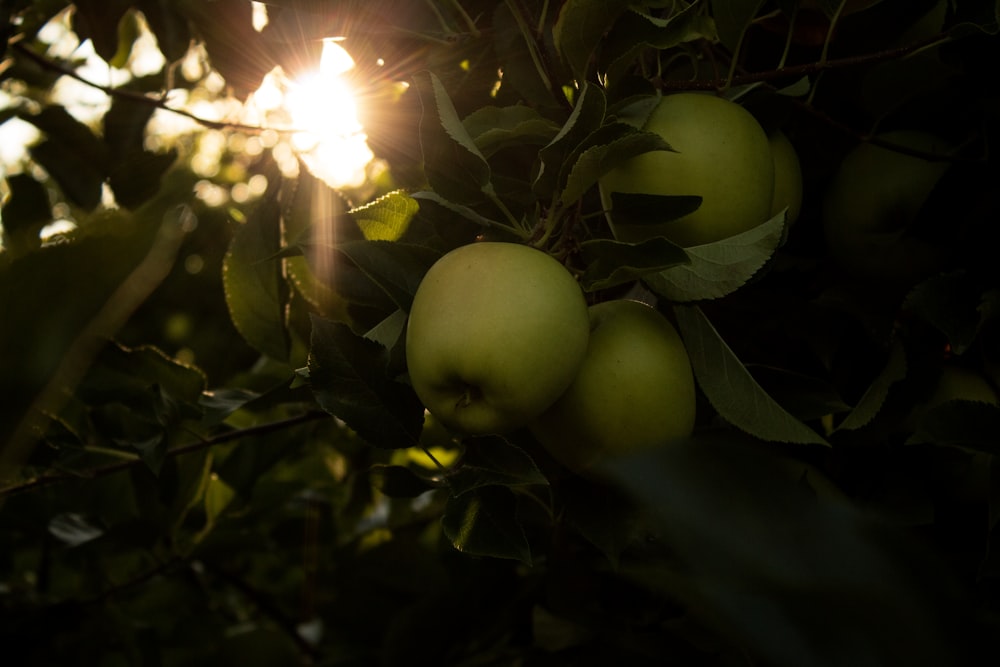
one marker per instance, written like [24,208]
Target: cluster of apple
[720,153]
[500,338]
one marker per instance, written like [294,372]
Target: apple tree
[211,446]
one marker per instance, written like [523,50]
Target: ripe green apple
[787,177]
[721,154]
[634,391]
[495,335]
[874,196]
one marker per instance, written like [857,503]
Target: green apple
[634,391]
[875,195]
[721,153]
[787,177]
[495,335]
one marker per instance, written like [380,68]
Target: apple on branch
[495,335]
[634,391]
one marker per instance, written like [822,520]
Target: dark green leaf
[597,158]
[75,158]
[731,389]
[952,303]
[396,268]
[452,163]
[610,263]
[585,119]
[873,399]
[768,558]
[170,28]
[970,425]
[605,516]
[255,289]
[218,404]
[720,268]
[579,29]
[520,71]
[643,209]
[348,375]
[733,18]
[399,481]
[495,128]
[98,21]
[235,48]
[484,522]
[635,31]
[492,460]
[25,212]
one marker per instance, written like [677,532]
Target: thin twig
[806,68]
[222,438]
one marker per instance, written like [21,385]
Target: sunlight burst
[321,104]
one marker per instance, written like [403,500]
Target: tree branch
[806,68]
[141,98]
[222,438]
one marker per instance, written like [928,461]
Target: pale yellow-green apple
[634,391]
[721,153]
[496,333]
[787,177]
[874,196]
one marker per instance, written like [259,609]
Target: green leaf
[492,460]
[579,29]
[256,292]
[610,263]
[495,128]
[483,522]
[636,31]
[396,268]
[733,18]
[598,159]
[235,48]
[24,213]
[386,218]
[400,481]
[134,173]
[586,118]
[172,32]
[644,209]
[520,71]
[98,21]
[753,547]
[72,155]
[873,399]
[348,376]
[435,200]
[453,164]
[952,303]
[731,389]
[970,425]
[603,514]
[720,268]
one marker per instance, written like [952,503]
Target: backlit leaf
[386,218]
